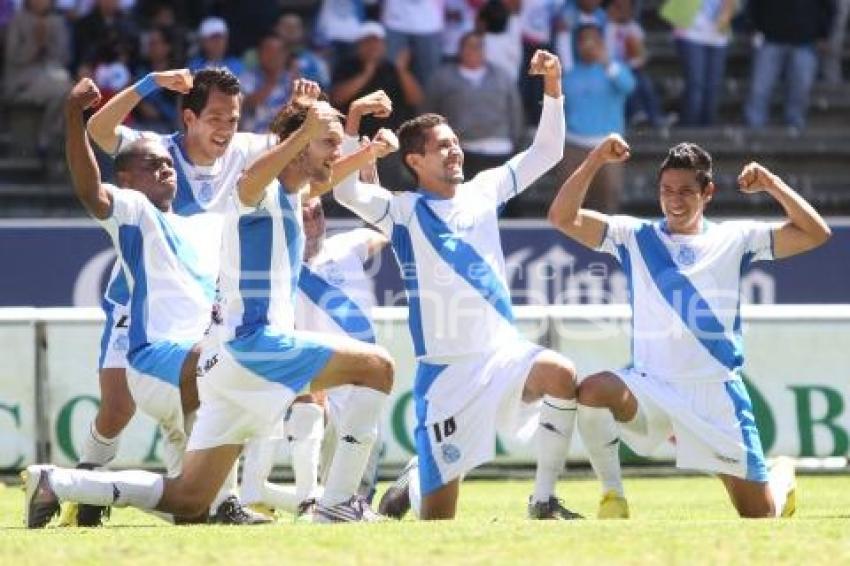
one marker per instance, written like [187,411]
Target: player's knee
[383,371]
[592,391]
[561,380]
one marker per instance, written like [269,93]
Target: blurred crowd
[461,58]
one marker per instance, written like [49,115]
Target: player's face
[152,173]
[213,129]
[683,200]
[443,157]
[320,155]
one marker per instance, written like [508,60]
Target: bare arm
[85,174]
[410,86]
[804,228]
[343,92]
[103,126]
[384,143]
[585,226]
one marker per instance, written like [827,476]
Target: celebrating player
[684,273]
[474,372]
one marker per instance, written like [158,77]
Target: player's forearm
[800,213]
[267,167]
[564,211]
[552,86]
[85,174]
[547,149]
[343,168]
[344,92]
[103,126]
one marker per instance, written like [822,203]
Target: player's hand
[305,92]
[384,143]
[369,172]
[178,80]
[545,64]
[613,149]
[84,95]
[320,117]
[755,178]
[377,104]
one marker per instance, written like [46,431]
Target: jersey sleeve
[757,238]
[253,145]
[618,232]
[128,206]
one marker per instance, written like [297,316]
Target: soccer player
[684,274]
[334,297]
[250,375]
[474,372]
[207,158]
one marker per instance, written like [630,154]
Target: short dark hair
[204,82]
[288,119]
[470,34]
[128,154]
[581,28]
[413,135]
[691,157]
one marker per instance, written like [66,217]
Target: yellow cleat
[613,506]
[69,517]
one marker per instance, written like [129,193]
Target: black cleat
[395,503]
[305,511]
[552,510]
[41,503]
[91,515]
[232,512]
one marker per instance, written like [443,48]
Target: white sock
[136,488]
[97,449]
[414,491]
[370,473]
[256,468]
[358,429]
[554,434]
[600,435]
[304,429]
[228,488]
[779,481]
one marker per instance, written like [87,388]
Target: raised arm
[254,180]
[804,228]
[586,226]
[85,174]
[103,126]
[385,143]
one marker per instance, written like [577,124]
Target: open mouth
[220,142]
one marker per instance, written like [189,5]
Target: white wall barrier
[798,365]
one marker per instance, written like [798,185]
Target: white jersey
[449,250]
[199,188]
[262,252]
[171,285]
[685,294]
[335,296]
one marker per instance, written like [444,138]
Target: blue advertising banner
[60,263]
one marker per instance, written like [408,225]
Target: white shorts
[448,447]
[114,341]
[712,424]
[238,403]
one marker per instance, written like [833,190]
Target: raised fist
[178,80]
[84,95]
[755,178]
[613,149]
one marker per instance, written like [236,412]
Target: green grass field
[675,520]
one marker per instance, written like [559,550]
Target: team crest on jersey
[464,222]
[687,255]
[206,191]
[334,275]
[451,453]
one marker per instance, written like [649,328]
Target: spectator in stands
[157,112]
[268,86]
[572,14]
[832,62]
[624,41]
[595,93]
[537,18]
[702,32]
[290,29]
[106,27]
[481,103]
[788,35]
[499,21]
[459,20]
[338,25]
[213,35]
[418,28]
[370,70]
[36,54]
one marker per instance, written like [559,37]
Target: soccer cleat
[395,503]
[68,515]
[41,503]
[262,509]
[355,510]
[306,510]
[232,512]
[552,510]
[613,506]
[89,515]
